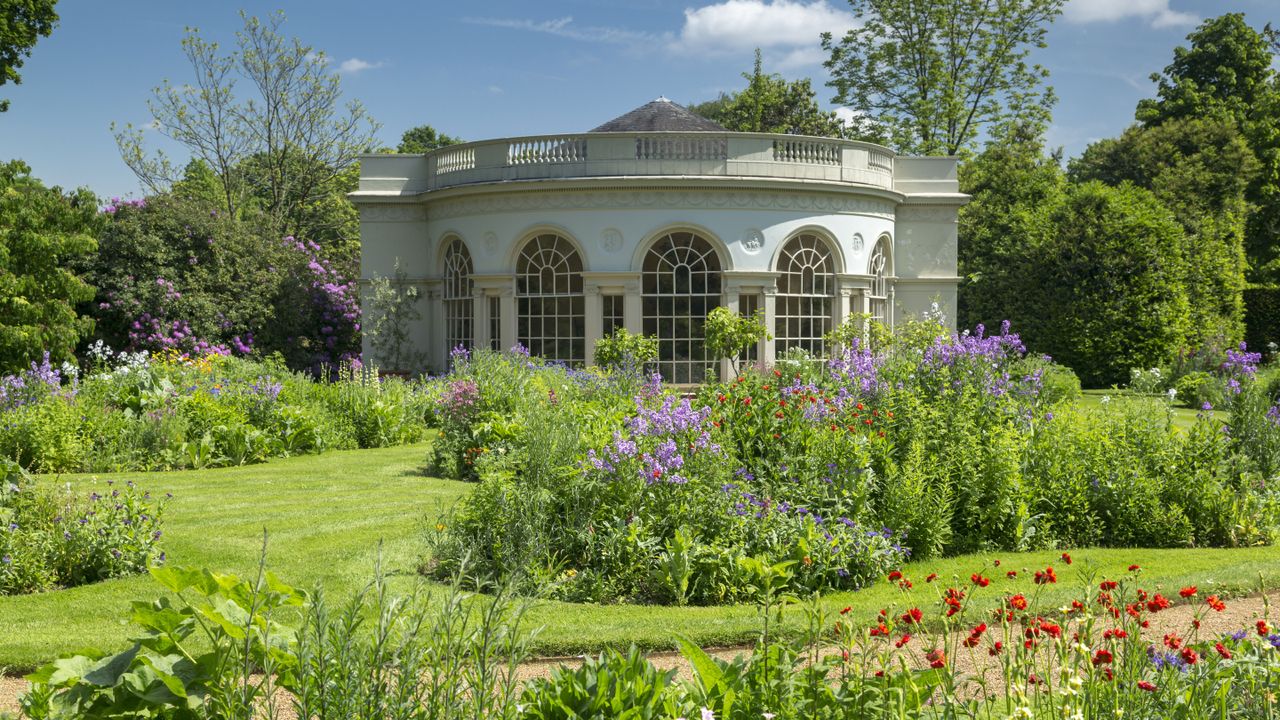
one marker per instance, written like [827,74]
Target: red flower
[777,373]
[1158,603]
[906,638]
[996,649]
[1066,558]
[1114,633]
[1172,641]
[1222,650]
[1263,628]
[1190,656]
[913,616]
[879,631]
[905,585]
[722,399]
[1018,602]
[1188,591]
[1011,574]
[746,400]
[972,641]
[931,578]
[1134,568]
[1102,657]
[1106,671]
[997,562]
[895,576]
[1216,603]
[979,580]
[937,658]
[1108,585]
[1146,686]
[846,610]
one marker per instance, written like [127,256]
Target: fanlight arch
[550,305]
[804,303]
[459,303]
[680,285]
[880,268]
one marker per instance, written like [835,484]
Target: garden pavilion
[649,222]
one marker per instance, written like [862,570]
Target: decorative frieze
[665,199]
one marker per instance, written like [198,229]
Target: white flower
[707,714]
[1172,394]
[1106,399]
[1022,711]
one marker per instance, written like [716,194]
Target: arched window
[879,269]
[806,294]
[550,313]
[680,286]
[459,312]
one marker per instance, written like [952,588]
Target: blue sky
[497,68]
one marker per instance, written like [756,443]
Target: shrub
[50,540]
[624,350]
[1262,317]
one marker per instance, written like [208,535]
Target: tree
[424,139]
[22,23]
[729,334]
[1228,73]
[935,73]
[1012,180]
[42,231]
[770,104]
[1200,168]
[1108,289]
[286,145]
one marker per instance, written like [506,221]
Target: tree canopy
[771,104]
[42,232]
[284,148]
[935,73]
[22,23]
[423,139]
[1228,73]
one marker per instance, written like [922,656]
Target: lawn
[327,514]
[1183,417]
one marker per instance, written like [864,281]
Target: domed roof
[661,115]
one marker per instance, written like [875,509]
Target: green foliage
[612,685]
[170,261]
[935,74]
[1199,168]
[424,139]
[174,412]
[286,151]
[728,334]
[393,308]
[219,647]
[24,22]
[1112,268]
[771,104]
[622,349]
[1228,74]
[1262,317]
[1011,182]
[43,234]
[51,539]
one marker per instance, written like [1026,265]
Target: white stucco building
[650,221]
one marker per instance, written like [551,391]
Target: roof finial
[662,98]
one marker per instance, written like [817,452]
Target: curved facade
[553,241]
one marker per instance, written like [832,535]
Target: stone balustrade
[631,155]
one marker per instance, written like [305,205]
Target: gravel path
[1240,613]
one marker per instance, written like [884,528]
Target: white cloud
[495,89]
[789,26]
[356,65]
[565,27]
[1157,12]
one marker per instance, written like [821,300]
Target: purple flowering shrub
[174,274]
[55,539]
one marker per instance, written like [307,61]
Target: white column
[767,351]
[436,357]
[480,324]
[633,309]
[593,314]
[508,320]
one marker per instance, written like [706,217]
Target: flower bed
[134,411]
[607,486]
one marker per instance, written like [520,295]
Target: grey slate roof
[661,115]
